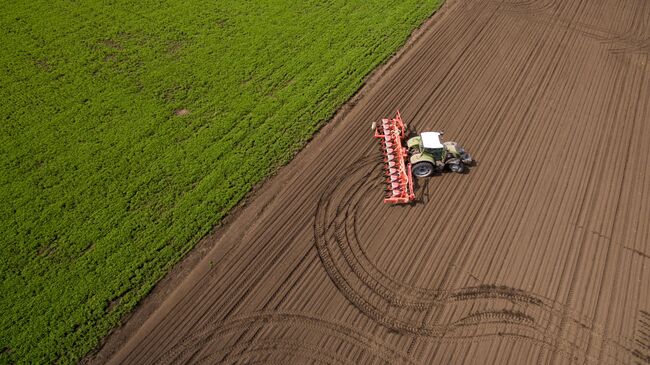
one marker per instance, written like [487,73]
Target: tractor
[423,156]
[428,155]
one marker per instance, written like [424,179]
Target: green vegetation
[130,128]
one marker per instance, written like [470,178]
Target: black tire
[423,169]
[457,167]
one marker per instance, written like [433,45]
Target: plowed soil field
[539,254]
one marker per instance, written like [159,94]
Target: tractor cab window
[415,149]
[437,153]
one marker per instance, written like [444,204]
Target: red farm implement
[397,169]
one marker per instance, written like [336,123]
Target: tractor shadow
[421,185]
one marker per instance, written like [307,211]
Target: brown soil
[111,44]
[540,254]
[181,112]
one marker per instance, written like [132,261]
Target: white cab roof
[431,140]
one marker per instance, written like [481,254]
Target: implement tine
[397,169]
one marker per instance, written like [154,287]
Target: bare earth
[540,254]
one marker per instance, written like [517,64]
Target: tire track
[216,332]
[375,293]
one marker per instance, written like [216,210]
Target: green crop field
[130,128]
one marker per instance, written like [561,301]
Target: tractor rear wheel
[423,169]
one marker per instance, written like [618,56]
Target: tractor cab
[427,145]
[432,145]
[428,154]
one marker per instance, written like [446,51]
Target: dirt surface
[540,254]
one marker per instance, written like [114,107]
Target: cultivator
[396,166]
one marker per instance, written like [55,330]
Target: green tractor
[429,155]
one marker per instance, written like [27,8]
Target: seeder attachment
[396,166]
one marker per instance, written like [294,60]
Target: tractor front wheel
[423,169]
[457,167]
